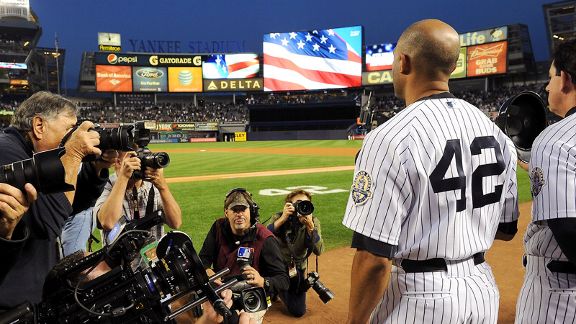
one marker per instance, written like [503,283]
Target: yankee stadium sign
[166,46]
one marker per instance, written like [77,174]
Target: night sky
[186,26]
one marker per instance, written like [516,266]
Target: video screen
[150,79]
[111,78]
[379,57]
[230,66]
[17,66]
[315,59]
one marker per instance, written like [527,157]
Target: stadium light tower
[56,55]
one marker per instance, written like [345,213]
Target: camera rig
[125,295]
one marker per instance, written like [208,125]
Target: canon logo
[150,73]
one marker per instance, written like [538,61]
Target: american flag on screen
[379,57]
[318,59]
[231,66]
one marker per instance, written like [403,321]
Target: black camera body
[303,207]
[148,159]
[313,280]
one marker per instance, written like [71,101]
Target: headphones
[254,209]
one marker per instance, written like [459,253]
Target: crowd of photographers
[56,188]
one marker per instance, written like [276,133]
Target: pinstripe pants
[466,293]
[546,297]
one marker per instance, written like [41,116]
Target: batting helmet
[523,118]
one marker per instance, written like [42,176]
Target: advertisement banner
[376,77]
[484,36]
[206,126]
[487,59]
[460,70]
[113,78]
[233,85]
[201,139]
[175,60]
[150,79]
[240,136]
[185,79]
[104,58]
[164,126]
[183,126]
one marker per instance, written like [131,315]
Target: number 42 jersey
[435,181]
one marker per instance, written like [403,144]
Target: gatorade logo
[112,58]
[153,60]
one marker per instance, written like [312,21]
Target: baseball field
[200,175]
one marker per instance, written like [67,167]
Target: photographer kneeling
[238,242]
[299,234]
[128,197]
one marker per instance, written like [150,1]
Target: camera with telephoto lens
[148,159]
[44,171]
[303,207]
[119,138]
[124,294]
[323,292]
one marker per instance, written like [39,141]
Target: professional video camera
[124,295]
[148,159]
[323,292]
[44,171]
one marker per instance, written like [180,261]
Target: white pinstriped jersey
[553,185]
[435,181]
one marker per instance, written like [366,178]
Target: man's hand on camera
[287,211]
[106,160]
[130,163]
[83,141]
[308,222]
[210,316]
[156,176]
[253,277]
[13,205]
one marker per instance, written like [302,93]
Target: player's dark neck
[421,89]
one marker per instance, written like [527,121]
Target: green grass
[202,201]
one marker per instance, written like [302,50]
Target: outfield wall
[338,134]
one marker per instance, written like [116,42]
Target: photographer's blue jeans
[76,232]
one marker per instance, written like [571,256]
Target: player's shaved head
[433,45]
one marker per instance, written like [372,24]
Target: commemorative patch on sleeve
[361,188]
[536,181]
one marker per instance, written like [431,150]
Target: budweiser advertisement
[487,59]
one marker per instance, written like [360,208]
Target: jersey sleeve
[380,195]
[553,183]
[510,211]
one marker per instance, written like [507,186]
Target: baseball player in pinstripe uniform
[549,291]
[432,187]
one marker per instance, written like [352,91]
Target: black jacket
[33,252]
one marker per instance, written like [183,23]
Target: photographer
[91,182]
[299,236]
[238,242]
[39,124]
[127,197]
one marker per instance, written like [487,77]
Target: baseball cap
[236,199]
